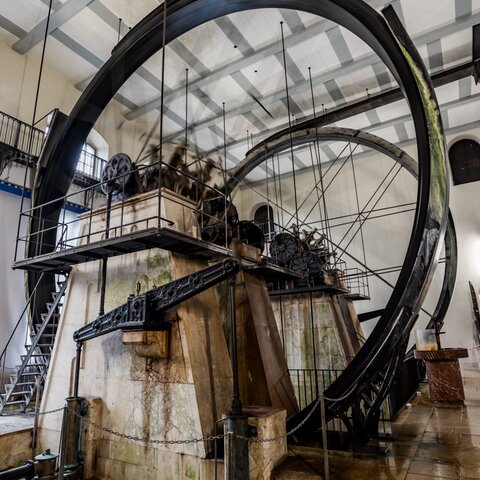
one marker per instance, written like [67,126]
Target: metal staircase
[32,371]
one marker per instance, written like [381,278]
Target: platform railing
[22,137]
[357,282]
[308,383]
[88,234]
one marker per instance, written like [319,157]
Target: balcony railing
[26,143]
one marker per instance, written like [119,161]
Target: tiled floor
[431,443]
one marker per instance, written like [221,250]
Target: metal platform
[319,288]
[271,271]
[357,296]
[165,238]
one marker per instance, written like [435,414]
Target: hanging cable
[280,188]
[224,139]
[358,208]
[119,30]
[317,143]
[162,106]
[289,123]
[30,139]
[186,114]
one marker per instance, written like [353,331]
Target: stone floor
[431,443]
[15,423]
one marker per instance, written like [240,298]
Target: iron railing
[22,137]
[308,383]
[18,336]
[26,143]
[117,225]
[357,282]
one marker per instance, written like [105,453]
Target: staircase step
[48,354]
[14,402]
[21,392]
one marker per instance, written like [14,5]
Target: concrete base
[15,441]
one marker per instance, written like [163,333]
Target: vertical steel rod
[236,402]
[324,437]
[289,123]
[103,279]
[78,360]
[314,348]
[162,107]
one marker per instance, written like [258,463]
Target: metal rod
[186,119]
[324,437]
[78,361]
[224,139]
[317,144]
[237,408]
[63,443]
[326,188]
[162,107]
[119,29]
[289,122]
[30,140]
[35,420]
[358,208]
[374,205]
[314,348]
[103,279]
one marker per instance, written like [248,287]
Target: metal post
[236,402]
[35,420]
[70,442]
[101,309]
[78,359]
[324,437]
[236,447]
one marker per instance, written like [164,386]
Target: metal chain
[31,414]
[193,440]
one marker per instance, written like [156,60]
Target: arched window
[263,217]
[86,162]
[464,158]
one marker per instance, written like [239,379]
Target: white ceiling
[234,58]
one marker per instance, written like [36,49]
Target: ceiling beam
[450,131]
[68,10]
[374,101]
[361,107]
[321,79]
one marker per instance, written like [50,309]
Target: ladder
[30,374]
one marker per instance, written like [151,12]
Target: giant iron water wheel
[67,136]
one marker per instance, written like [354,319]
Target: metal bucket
[46,464]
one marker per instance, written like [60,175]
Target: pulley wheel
[116,174]
[306,263]
[283,247]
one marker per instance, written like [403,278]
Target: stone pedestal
[443,372]
[264,456]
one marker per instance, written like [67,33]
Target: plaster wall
[17,98]
[12,282]
[173,398]
[386,237]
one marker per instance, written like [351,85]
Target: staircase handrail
[4,352]
[42,328]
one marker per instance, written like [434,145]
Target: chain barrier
[188,441]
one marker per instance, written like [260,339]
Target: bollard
[236,449]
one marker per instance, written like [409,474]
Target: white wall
[11,282]
[386,238]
